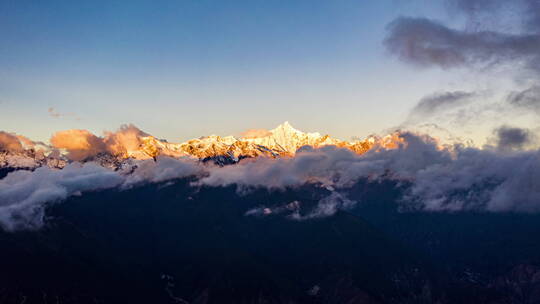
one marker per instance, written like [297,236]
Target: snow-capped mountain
[30,159]
[287,139]
[282,141]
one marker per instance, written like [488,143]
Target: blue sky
[183,69]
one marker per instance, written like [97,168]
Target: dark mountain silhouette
[174,244]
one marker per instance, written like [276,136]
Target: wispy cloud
[438,103]
[55,114]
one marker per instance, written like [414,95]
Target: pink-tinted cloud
[80,144]
[127,138]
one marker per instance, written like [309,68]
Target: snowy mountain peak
[286,139]
[285,127]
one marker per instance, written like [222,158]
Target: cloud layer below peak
[453,179]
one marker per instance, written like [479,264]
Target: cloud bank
[455,179]
[25,194]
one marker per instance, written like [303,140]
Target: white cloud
[25,194]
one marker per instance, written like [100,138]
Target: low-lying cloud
[25,194]
[456,179]
[326,206]
[479,180]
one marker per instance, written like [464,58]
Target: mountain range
[282,141]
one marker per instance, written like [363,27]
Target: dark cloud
[527,10]
[528,99]
[439,102]
[425,42]
[511,138]
[455,179]
[496,34]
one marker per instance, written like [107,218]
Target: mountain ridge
[282,141]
